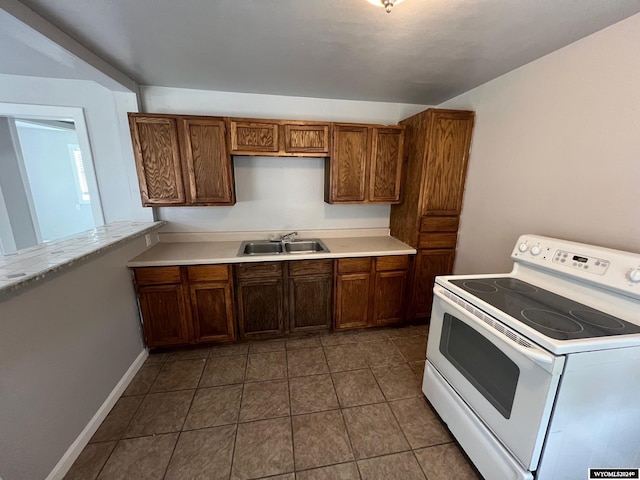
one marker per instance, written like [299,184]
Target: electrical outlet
[147,239]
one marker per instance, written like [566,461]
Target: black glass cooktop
[550,314]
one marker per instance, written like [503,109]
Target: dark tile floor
[337,406]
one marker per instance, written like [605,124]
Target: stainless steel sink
[306,246]
[267,247]
[259,247]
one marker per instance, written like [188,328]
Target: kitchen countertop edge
[28,280]
[226,252]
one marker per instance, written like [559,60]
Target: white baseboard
[73,452]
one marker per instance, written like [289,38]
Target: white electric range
[537,372]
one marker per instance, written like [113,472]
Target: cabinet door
[157,156]
[306,138]
[428,265]
[251,137]
[164,315]
[352,300]
[260,307]
[386,165]
[448,142]
[389,296]
[310,303]
[348,164]
[212,312]
[208,168]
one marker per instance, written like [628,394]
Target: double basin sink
[268,247]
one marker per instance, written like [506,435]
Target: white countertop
[213,252]
[34,264]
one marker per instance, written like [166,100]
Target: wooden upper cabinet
[447,154]
[348,164]
[254,136]
[436,154]
[301,137]
[365,165]
[182,160]
[208,169]
[157,154]
[386,165]
[275,138]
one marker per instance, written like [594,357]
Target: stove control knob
[523,247]
[535,250]
[634,275]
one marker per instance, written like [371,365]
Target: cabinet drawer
[437,240]
[259,269]
[208,273]
[157,275]
[249,136]
[310,267]
[304,138]
[396,262]
[350,265]
[439,224]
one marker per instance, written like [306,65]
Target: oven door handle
[546,361]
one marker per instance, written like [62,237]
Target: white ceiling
[424,52]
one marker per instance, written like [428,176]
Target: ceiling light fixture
[387,4]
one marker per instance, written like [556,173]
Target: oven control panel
[612,269]
[575,260]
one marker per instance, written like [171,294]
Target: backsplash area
[276,193]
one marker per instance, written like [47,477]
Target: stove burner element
[478,286]
[515,285]
[552,320]
[598,319]
[552,315]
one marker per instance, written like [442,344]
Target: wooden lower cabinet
[275,298]
[310,303]
[212,312]
[370,291]
[164,315]
[352,300]
[186,305]
[388,299]
[428,264]
[260,307]
[197,304]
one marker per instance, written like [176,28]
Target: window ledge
[32,265]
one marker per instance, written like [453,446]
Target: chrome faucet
[288,237]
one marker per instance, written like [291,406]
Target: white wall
[556,151]
[274,193]
[64,345]
[105,113]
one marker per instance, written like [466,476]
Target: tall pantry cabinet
[437,146]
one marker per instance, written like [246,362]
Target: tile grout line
[124,430]
[173,451]
[235,438]
[344,422]
[293,443]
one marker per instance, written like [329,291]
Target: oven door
[506,380]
